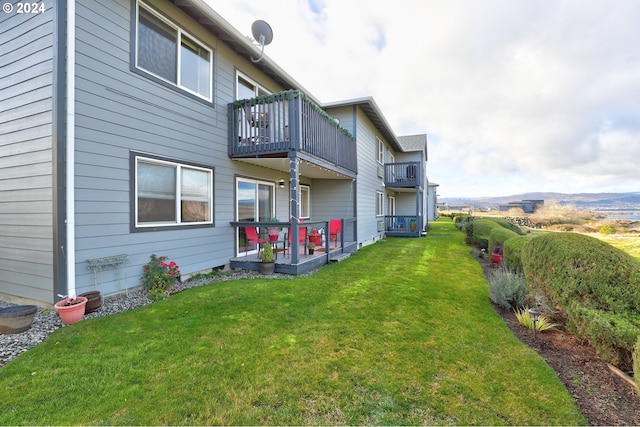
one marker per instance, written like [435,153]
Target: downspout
[70,148]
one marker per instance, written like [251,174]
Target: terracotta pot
[71,313]
[17,318]
[94,301]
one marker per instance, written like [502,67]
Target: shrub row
[511,250]
[498,236]
[481,228]
[596,285]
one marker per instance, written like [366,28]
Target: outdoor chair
[302,237]
[335,228]
[252,236]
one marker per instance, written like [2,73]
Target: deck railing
[402,223]
[403,174]
[274,124]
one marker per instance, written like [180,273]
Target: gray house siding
[369,182]
[27,154]
[117,111]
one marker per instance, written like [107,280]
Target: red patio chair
[335,228]
[302,237]
[252,236]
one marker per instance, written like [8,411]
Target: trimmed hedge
[596,284]
[499,236]
[481,231]
[508,225]
[573,267]
[511,252]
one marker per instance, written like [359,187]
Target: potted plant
[70,309]
[311,246]
[268,265]
[412,225]
[274,232]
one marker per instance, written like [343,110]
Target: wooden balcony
[272,126]
[404,174]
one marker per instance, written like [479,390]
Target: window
[379,203]
[380,154]
[168,53]
[246,88]
[169,193]
[305,201]
[391,203]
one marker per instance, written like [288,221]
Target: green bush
[508,225]
[612,335]
[508,290]
[594,283]
[462,220]
[608,229]
[498,236]
[481,230]
[573,267]
[511,250]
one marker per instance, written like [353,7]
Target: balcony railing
[402,224]
[273,125]
[403,174]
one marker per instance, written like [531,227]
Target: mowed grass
[400,333]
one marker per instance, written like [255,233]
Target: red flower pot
[71,313]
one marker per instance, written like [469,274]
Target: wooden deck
[306,262]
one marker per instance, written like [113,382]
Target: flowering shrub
[159,275]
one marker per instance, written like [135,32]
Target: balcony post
[294,196]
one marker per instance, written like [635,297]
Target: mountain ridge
[582,200]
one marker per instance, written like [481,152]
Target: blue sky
[514,95]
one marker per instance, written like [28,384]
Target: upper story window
[247,88]
[167,52]
[380,153]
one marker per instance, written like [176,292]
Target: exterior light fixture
[535,315]
[281,183]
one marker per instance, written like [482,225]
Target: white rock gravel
[47,320]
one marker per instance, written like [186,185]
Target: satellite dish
[263,34]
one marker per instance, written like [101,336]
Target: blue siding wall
[26,154]
[119,111]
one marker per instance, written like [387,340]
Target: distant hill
[580,200]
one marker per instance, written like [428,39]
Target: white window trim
[379,203]
[179,56]
[380,153]
[308,189]
[178,221]
[258,88]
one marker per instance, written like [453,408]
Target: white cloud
[530,95]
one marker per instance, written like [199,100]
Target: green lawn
[402,332]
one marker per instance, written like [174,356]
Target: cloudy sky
[514,95]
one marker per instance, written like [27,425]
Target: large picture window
[167,52]
[169,193]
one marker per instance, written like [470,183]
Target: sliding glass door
[255,202]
